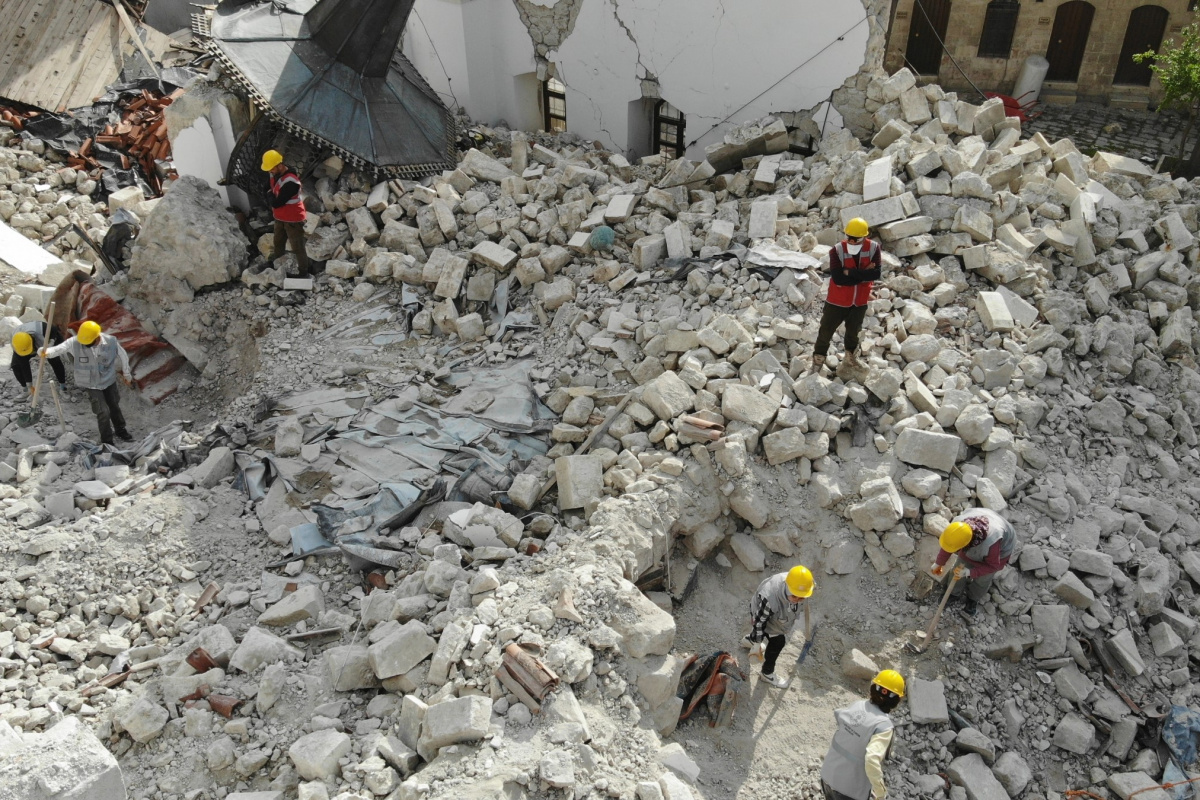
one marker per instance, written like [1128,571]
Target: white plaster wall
[710,56]
[448,75]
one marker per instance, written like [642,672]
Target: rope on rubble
[776,83]
[1167,785]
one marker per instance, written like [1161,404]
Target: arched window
[999,25]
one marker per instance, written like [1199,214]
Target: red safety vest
[858,294]
[293,210]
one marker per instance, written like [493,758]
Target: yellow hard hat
[956,536]
[271,160]
[800,581]
[891,680]
[88,332]
[857,227]
[22,343]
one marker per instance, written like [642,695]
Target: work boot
[778,681]
[817,363]
[124,436]
[853,361]
[969,608]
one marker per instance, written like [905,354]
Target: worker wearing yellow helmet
[98,358]
[287,208]
[26,341]
[853,767]
[984,541]
[773,612]
[855,263]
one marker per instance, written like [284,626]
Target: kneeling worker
[97,359]
[773,611]
[853,767]
[28,339]
[984,541]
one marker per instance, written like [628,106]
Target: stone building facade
[1089,44]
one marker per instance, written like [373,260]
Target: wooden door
[1068,40]
[1145,32]
[928,26]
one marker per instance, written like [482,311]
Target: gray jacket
[96,365]
[771,612]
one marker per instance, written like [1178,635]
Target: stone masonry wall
[1032,37]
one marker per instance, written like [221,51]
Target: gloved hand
[961,572]
[127,379]
[937,570]
[32,391]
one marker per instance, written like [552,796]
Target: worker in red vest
[287,206]
[854,266]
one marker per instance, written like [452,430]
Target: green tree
[1177,65]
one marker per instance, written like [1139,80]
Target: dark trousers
[293,234]
[833,794]
[60,374]
[106,406]
[771,653]
[831,319]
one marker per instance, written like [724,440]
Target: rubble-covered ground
[1031,349]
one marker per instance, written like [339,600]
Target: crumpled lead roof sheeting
[331,73]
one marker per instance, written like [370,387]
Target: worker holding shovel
[98,359]
[853,767]
[984,542]
[773,611]
[28,339]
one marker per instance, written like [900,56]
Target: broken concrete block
[1070,588]
[620,208]
[484,167]
[880,211]
[880,508]
[645,628]
[316,755]
[1124,649]
[763,214]
[877,179]
[580,480]
[289,438]
[1126,784]
[470,327]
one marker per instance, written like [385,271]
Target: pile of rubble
[1030,350]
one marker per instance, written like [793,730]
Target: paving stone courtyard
[1137,134]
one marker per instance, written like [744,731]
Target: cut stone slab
[580,480]
[493,255]
[1074,734]
[749,552]
[259,647]
[306,602]
[1125,784]
[402,650]
[928,449]
[67,762]
[927,701]
[143,720]
[993,311]
[316,755]
[747,404]
[464,719]
[1053,624]
[218,466]
[973,774]
[668,396]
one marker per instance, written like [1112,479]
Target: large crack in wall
[850,98]
[548,26]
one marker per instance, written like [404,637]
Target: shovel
[937,616]
[30,417]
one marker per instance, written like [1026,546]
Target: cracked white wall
[711,57]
